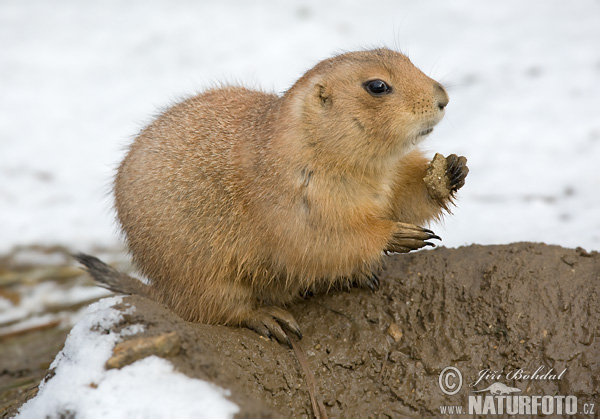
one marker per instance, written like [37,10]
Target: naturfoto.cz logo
[498,398]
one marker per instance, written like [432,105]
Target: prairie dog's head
[367,105]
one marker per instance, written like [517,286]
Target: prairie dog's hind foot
[409,237]
[270,322]
[368,281]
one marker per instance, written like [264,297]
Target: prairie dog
[234,202]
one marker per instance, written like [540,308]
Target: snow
[43,297]
[37,257]
[79,79]
[149,388]
[32,322]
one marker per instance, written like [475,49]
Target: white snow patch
[39,298]
[132,329]
[34,321]
[39,257]
[149,388]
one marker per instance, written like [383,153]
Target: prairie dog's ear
[323,93]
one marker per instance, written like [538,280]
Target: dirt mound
[520,307]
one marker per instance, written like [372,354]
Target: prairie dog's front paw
[445,176]
[409,237]
[456,171]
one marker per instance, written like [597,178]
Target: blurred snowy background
[78,80]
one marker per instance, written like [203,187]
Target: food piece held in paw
[438,184]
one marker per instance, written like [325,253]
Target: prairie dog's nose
[441,96]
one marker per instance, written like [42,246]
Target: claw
[410,237]
[456,171]
[399,249]
[285,319]
[371,282]
[451,159]
[268,322]
[375,280]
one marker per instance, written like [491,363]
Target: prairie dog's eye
[377,87]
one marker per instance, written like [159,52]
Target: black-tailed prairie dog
[234,202]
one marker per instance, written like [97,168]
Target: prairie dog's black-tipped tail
[109,278]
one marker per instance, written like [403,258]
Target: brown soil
[380,354]
[24,361]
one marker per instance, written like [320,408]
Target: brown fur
[235,199]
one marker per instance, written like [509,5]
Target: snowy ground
[82,387]
[78,79]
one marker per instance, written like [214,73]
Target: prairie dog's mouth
[425,132]
[421,135]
